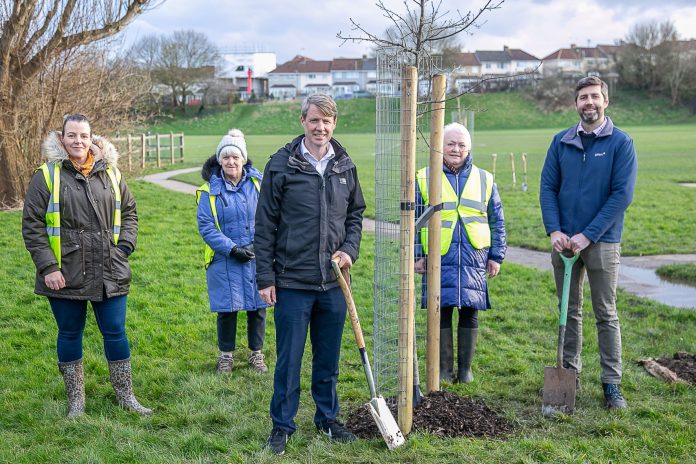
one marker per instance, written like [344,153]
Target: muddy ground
[441,413]
[683,364]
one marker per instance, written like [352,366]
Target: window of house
[488,66]
[312,76]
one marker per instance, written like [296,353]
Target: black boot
[446,355]
[466,345]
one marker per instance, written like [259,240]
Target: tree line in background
[58,57]
[654,59]
[54,60]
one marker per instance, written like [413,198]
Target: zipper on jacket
[577,200]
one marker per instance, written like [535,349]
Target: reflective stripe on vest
[52,178]
[208,252]
[471,208]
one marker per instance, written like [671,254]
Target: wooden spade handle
[343,279]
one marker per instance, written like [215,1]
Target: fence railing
[150,149]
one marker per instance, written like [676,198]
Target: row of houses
[484,70]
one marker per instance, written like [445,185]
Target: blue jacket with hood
[231,283]
[587,189]
[463,267]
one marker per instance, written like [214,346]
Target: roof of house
[576,53]
[346,64]
[302,64]
[493,55]
[521,55]
[466,59]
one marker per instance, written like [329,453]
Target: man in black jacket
[309,212]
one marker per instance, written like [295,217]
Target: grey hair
[230,150]
[455,126]
[325,104]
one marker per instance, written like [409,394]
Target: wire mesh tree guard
[396,352]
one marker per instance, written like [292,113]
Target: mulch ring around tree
[443,414]
[680,368]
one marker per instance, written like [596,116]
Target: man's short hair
[323,102]
[591,80]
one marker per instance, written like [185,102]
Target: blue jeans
[324,313]
[111,319]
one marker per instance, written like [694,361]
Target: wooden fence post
[182,146]
[171,147]
[130,151]
[142,150]
[159,158]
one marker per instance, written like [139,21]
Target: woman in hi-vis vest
[226,212]
[472,247]
[80,226]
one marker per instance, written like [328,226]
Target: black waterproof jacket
[303,218]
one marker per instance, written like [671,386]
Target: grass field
[200,417]
[661,210]
[494,111]
[683,273]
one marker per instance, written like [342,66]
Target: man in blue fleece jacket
[587,183]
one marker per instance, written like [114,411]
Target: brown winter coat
[91,264]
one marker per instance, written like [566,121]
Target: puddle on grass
[646,283]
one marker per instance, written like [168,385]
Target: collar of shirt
[320,165]
[579,130]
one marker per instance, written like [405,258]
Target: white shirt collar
[321,164]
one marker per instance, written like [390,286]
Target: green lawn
[496,110]
[661,210]
[683,273]
[201,417]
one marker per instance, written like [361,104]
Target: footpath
[637,275]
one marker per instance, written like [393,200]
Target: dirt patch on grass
[683,364]
[681,367]
[441,413]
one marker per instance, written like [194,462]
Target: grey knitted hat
[234,140]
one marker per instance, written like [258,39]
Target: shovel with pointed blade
[559,383]
[378,407]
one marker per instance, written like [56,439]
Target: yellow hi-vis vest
[208,252]
[471,208]
[52,178]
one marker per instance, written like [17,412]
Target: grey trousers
[600,261]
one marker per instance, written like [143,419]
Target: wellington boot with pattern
[121,380]
[466,345]
[446,355]
[74,378]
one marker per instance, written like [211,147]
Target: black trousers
[468,317]
[227,329]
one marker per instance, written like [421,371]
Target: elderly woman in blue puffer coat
[473,247]
[226,211]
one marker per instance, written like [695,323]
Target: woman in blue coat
[474,252]
[226,210]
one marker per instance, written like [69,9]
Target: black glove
[125,249]
[243,254]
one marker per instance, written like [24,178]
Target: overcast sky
[292,27]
